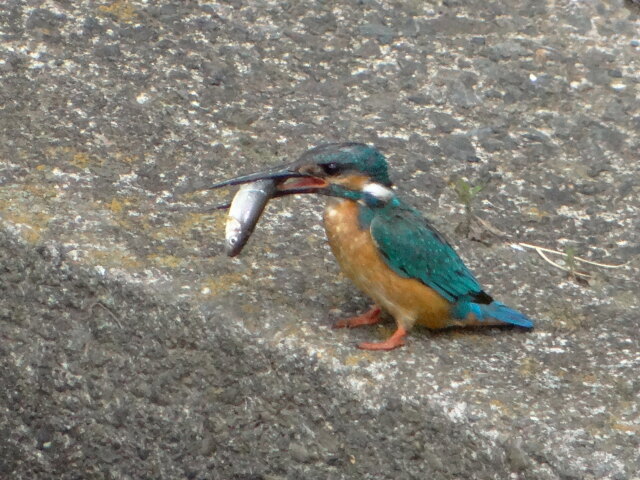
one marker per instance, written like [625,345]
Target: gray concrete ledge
[131,347]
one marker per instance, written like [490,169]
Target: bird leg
[371,317]
[394,341]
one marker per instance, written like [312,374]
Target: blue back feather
[414,249]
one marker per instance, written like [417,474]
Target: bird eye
[330,168]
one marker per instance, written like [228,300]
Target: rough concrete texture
[131,347]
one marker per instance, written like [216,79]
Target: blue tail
[494,312]
[501,312]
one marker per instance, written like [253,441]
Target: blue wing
[414,249]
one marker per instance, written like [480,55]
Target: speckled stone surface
[132,347]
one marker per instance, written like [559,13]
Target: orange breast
[407,300]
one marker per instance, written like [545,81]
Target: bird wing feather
[412,248]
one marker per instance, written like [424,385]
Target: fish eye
[331,168]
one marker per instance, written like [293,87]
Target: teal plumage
[413,248]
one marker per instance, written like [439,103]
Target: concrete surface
[131,347]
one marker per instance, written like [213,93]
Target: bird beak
[290,179]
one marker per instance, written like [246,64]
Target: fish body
[245,211]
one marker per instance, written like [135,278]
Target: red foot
[369,318]
[394,341]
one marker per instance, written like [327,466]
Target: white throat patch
[378,191]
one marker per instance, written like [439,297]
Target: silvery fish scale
[245,210]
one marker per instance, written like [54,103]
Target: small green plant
[466,195]
[571,267]
[466,192]
[570,261]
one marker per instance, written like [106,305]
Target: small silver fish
[244,213]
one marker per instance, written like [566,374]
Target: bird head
[335,169]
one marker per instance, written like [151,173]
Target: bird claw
[370,317]
[394,341]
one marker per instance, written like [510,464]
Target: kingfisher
[387,248]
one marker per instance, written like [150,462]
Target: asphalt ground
[132,347]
